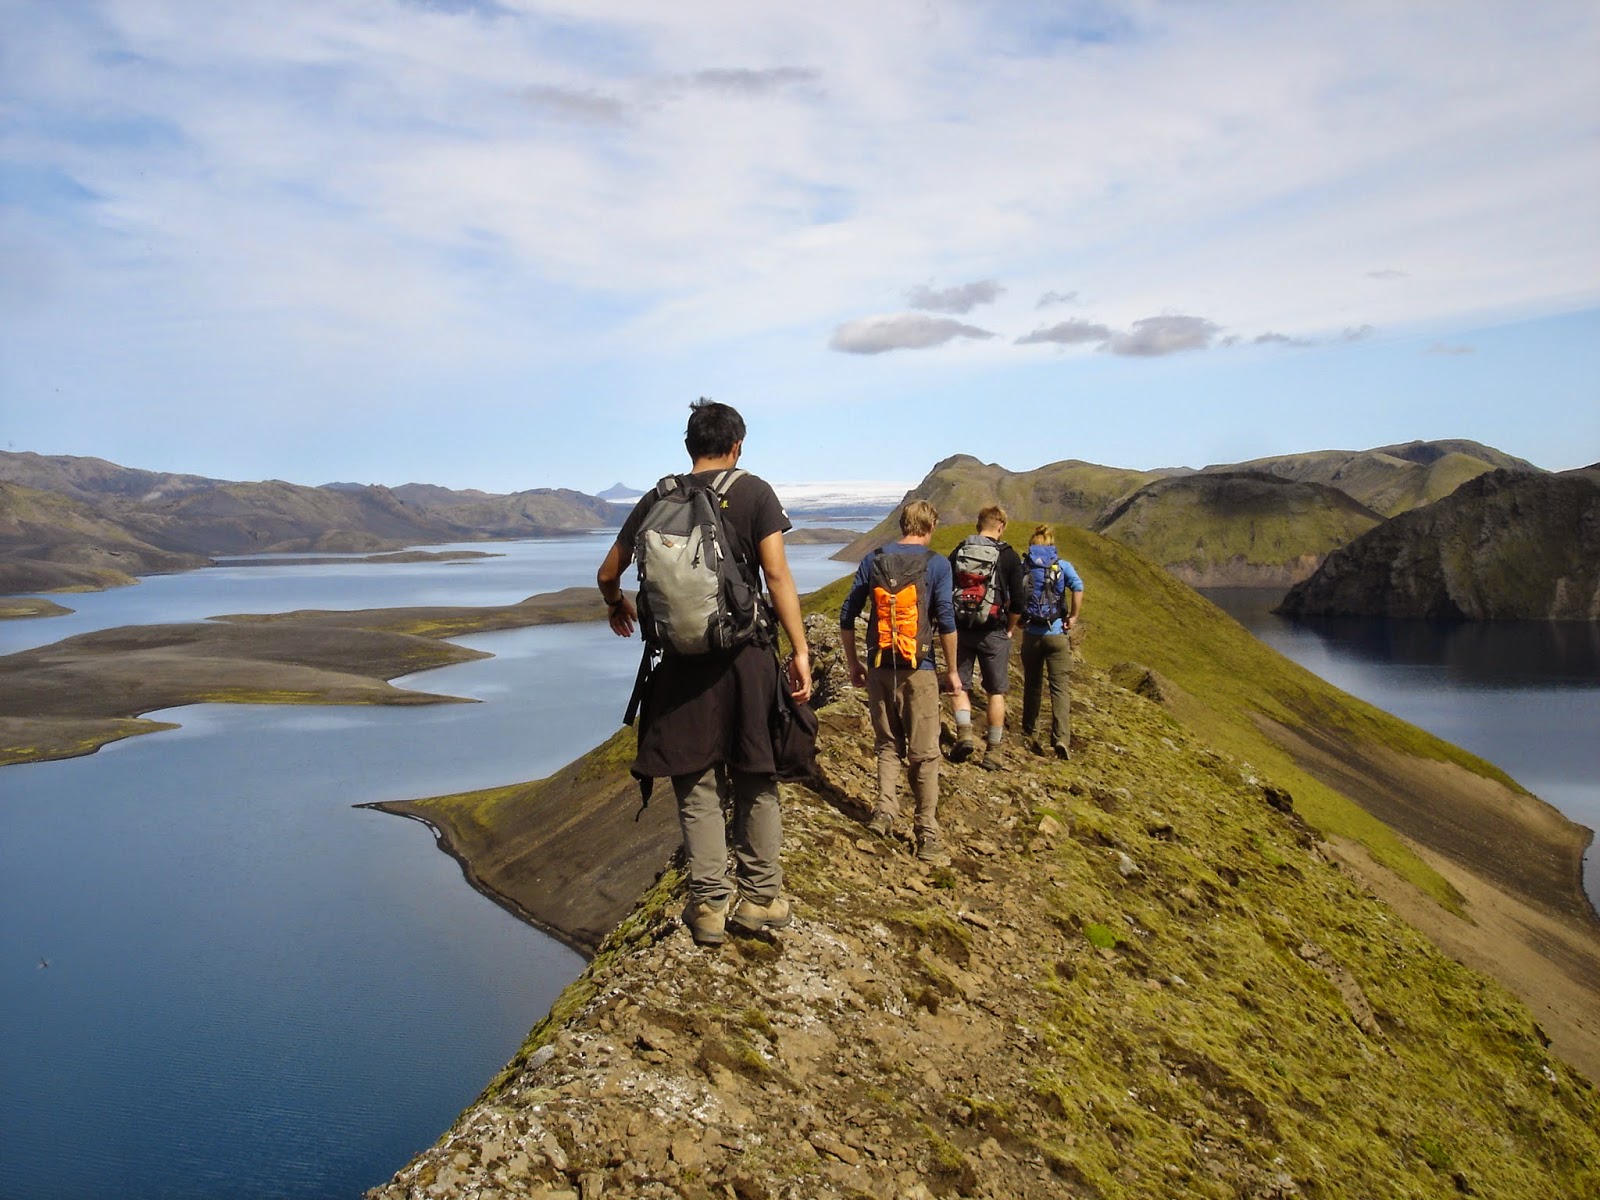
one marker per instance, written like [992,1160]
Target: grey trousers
[905,724]
[757,834]
[1047,654]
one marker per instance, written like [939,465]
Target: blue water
[256,989]
[1524,694]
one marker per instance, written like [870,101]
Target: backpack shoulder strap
[668,484]
[726,479]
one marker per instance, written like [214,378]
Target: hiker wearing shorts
[903,694]
[703,718]
[1052,600]
[987,644]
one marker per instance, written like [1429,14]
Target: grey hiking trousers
[757,834]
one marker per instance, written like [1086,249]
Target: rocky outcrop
[1508,545]
[1237,529]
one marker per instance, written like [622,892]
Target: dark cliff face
[1507,546]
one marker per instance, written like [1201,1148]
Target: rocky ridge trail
[1142,976]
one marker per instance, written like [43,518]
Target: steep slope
[1143,976]
[1070,492]
[1505,546]
[1237,529]
[51,543]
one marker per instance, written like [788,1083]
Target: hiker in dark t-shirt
[704,718]
[988,645]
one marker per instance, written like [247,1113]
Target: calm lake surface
[255,989]
[1523,694]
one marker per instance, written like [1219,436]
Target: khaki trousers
[905,723]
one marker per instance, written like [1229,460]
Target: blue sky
[503,245]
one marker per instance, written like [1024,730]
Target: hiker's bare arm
[858,670]
[609,578]
[947,642]
[1077,605]
[786,600]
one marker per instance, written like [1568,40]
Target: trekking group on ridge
[719,716]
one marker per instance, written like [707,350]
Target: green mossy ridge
[1210,1022]
[1135,611]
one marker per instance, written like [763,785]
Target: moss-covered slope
[1237,529]
[1389,479]
[1070,492]
[1505,546]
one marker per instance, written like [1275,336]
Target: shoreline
[442,841]
[71,697]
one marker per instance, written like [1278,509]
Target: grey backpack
[695,597]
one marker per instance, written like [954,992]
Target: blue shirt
[1070,582]
[941,582]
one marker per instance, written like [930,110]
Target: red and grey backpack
[976,564]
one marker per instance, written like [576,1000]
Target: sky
[503,244]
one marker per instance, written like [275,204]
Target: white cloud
[900,331]
[1152,337]
[961,299]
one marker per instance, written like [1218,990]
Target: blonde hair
[992,515]
[1043,535]
[917,518]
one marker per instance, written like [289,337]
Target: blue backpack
[1046,586]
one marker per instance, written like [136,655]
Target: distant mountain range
[68,522]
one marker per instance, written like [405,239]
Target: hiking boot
[752,916]
[994,759]
[1062,752]
[962,750]
[932,852]
[707,922]
[881,825]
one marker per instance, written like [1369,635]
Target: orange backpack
[901,634]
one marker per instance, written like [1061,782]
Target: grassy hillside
[1505,546]
[1389,479]
[1237,528]
[1071,492]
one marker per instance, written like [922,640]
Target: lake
[1523,694]
[255,989]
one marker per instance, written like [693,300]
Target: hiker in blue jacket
[1054,598]
[902,687]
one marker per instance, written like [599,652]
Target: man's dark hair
[713,429]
